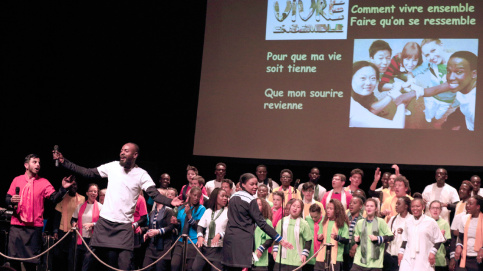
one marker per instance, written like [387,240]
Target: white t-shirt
[470,250]
[123,190]
[446,194]
[455,225]
[211,185]
[467,107]
[220,224]
[322,190]
[86,216]
[420,235]
[399,223]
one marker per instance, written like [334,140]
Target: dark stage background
[91,76]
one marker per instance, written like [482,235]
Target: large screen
[367,81]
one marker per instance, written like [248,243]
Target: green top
[293,257]
[441,255]
[343,232]
[383,231]
[260,238]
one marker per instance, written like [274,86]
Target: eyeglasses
[285,177]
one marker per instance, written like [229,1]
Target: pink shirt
[141,208]
[348,197]
[42,190]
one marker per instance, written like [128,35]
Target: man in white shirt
[220,172]
[113,236]
[319,190]
[476,182]
[261,172]
[441,191]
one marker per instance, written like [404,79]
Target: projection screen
[366,81]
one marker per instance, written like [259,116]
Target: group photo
[414,84]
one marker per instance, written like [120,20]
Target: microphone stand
[328,257]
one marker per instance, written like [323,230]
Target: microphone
[297,182]
[56,150]
[17,192]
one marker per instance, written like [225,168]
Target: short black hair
[468,56]
[379,45]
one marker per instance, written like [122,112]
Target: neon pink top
[42,190]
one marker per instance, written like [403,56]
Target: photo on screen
[414,84]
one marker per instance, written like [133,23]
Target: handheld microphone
[56,149]
[17,192]
[297,183]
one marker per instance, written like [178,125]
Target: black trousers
[115,257]
[63,253]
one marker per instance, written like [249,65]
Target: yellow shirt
[387,193]
[292,195]
[69,203]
